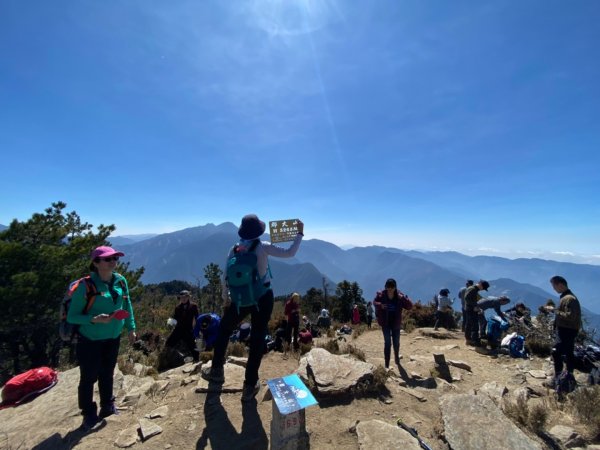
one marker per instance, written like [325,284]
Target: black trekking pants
[563,350]
[97,361]
[185,335]
[259,321]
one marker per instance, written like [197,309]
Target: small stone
[191,427]
[148,429]
[127,437]
[459,364]
[537,374]
[566,436]
[163,411]
[414,394]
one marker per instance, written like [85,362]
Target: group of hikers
[247,291]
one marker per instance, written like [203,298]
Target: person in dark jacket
[490,303]
[388,308]
[461,295]
[471,315]
[185,314]
[567,323]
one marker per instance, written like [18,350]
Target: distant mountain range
[3,227]
[128,239]
[183,255]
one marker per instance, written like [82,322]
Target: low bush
[236,349]
[419,316]
[355,352]
[331,346]
[532,417]
[585,404]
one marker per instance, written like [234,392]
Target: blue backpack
[245,284]
[517,347]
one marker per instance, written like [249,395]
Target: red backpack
[28,385]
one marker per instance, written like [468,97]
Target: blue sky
[471,126]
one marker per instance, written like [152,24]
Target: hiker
[250,231]
[461,295]
[388,308]
[567,323]
[355,315]
[370,314]
[292,312]
[323,321]
[443,312]
[305,336]
[208,325]
[471,315]
[100,333]
[519,313]
[486,304]
[185,314]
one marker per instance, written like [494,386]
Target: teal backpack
[245,284]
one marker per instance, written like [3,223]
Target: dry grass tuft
[532,417]
[355,352]
[331,346]
[585,404]
[236,349]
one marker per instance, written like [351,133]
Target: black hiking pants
[563,350]
[187,336]
[472,325]
[97,361]
[259,321]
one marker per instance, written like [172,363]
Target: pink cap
[105,252]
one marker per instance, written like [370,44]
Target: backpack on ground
[66,330]
[28,385]
[517,347]
[245,284]
[565,383]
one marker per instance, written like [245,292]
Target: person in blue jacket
[208,325]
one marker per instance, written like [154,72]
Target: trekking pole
[414,434]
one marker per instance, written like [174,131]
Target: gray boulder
[470,421]
[333,374]
[566,436]
[375,434]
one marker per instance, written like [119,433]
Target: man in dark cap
[471,315]
[250,231]
[185,314]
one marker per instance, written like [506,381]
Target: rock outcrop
[465,416]
[333,374]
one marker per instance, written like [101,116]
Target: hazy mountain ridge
[183,255]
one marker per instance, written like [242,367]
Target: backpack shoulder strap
[91,291]
[254,245]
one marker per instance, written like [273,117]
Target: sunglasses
[108,259]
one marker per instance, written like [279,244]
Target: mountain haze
[184,254]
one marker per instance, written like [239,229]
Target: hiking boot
[108,410]
[250,392]
[217,374]
[90,421]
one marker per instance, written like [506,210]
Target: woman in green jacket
[101,307]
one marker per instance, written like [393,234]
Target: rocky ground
[170,413]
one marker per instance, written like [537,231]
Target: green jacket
[568,314]
[103,304]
